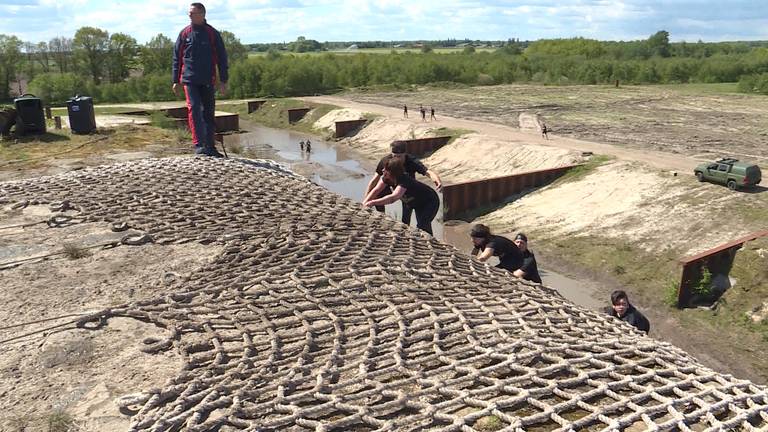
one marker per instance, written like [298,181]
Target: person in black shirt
[420,197]
[621,308]
[411,166]
[488,245]
[529,270]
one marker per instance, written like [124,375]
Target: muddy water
[344,172]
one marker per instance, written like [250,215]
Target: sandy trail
[656,159]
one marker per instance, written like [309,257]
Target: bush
[54,88]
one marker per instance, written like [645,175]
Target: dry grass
[74,251]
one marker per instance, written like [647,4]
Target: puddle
[339,170]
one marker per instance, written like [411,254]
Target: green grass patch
[583,170]
[453,132]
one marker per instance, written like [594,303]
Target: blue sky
[334,20]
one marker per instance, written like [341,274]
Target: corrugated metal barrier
[461,197]
[346,127]
[421,146]
[297,114]
[718,260]
[254,105]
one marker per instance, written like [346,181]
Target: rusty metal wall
[421,146]
[178,113]
[461,197]
[722,255]
[224,122]
[297,114]
[254,105]
[227,122]
[344,128]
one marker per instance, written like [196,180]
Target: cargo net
[321,315]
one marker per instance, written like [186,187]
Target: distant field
[378,51]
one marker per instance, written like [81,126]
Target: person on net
[420,197]
[487,245]
[412,166]
[528,270]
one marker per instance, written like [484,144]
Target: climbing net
[321,315]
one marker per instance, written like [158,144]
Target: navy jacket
[198,50]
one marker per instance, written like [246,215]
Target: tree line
[115,68]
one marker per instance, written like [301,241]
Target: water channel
[345,172]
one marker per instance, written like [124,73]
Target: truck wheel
[731,185]
[700,176]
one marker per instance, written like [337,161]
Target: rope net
[321,315]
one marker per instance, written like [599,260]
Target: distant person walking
[308,146]
[301,144]
[487,245]
[405,111]
[423,112]
[198,52]
[544,131]
[432,113]
[420,197]
[528,270]
[621,308]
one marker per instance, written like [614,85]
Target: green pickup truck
[730,172]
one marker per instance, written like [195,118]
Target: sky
[260,21]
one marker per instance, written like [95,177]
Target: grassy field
[377,51]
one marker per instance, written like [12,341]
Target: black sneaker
[211,151]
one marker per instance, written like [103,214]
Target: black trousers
[426,213]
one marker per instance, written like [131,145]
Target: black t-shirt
[417,194]
[510,257]
[411,166]
[633,317]
[530,268]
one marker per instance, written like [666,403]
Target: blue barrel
[82,119]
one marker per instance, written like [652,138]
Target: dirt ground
[49,375]
[672,119]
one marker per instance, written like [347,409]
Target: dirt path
[656,159]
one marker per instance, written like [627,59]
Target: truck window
[723,168]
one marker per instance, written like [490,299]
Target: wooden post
[48,112]
[57,121]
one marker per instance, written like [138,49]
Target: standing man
[529,270]
[432,113]
[198,52]
[405,111]
[488,245]
[544,131]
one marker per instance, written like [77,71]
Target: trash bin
[30,117]
[82,119]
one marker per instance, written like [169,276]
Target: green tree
[156,56]
[10,59]
[90,47]
[235,50]
[658,43]
[120,56]
[303,44]
[61,51]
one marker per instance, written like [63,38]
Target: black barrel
[82,119]
[30,117]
